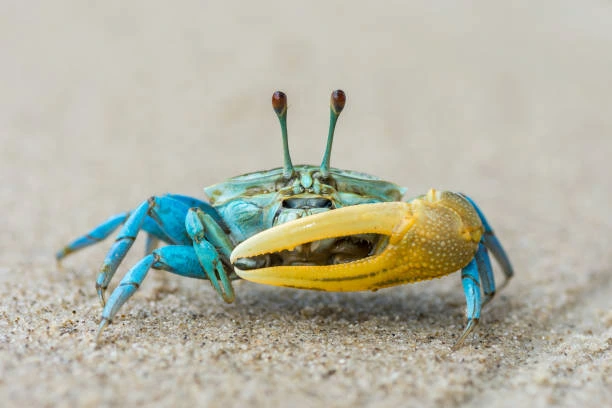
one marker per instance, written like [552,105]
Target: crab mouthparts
[319,247]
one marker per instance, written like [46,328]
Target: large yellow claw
[431,236]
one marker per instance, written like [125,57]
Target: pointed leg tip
[64,252]
[487,300]
[103,324]
[472,323]
[504,283]
[59,257]
[229,297]
[101,291]
[457,345]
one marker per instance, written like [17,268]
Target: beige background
[102,106]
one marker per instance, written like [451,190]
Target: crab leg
[492,244]
[211,245]
[94,236]
[471,288]
[202,205]
[155,234]
[177,259]
[106,228]
[485,272]
[429,237]
[167,212]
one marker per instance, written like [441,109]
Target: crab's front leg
[212,247]
[206,258]
[429,237]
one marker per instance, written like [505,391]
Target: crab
[306,227]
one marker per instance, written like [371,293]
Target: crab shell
[253,202]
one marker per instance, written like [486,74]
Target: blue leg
[213,248]
[485,270]
[96,235]
[170,217]
[471,288]
[177,259]
[492,244]
[103,230]
[151,244]
[202,205]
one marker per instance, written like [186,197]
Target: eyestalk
[279,103]
[338,99]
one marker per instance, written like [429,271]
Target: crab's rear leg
[177,259]
[154,233]
[479,271]
[94,236]
[102,231]
[491,242]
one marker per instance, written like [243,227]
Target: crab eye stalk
[279,104]
[338,99]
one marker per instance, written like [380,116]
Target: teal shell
[249,203]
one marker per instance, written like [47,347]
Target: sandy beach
[102,107]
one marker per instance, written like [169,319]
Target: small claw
[431,236]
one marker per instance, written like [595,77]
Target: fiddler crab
[306,227]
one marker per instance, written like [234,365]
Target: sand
[102,107]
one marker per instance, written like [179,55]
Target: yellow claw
[431,236]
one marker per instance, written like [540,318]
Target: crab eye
[279,102]
[313,202]
[338,99]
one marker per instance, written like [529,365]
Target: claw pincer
[429,237]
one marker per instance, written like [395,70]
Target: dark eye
[313,202]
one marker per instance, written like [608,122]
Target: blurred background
[115,102]
[105,104]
